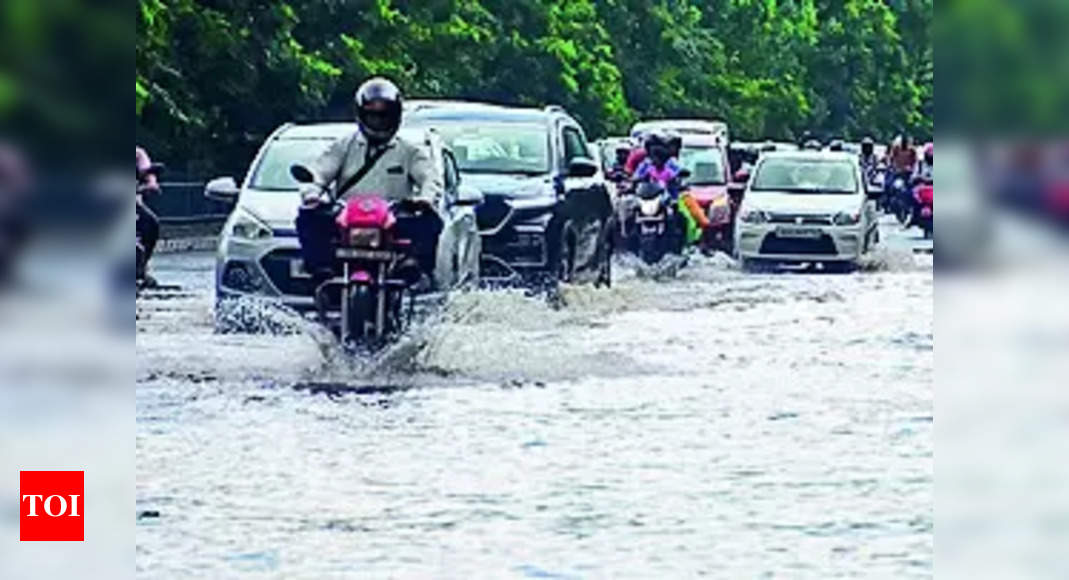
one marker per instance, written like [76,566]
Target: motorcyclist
[619,166]
[392,167]
[927,165]
[868,160]
[148,225]
[636,156]
[902,162]
[660,165]
[661,168]
[903,156]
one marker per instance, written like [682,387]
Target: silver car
[806,206]
[259,253]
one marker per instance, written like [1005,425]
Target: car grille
[822,246]
[277,266]
[805,219]
[492,212]
[518,249]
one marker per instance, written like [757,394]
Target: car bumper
[778,242]
[263,269]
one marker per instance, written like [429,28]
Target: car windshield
[706,165]
[502,148]
[273,171]
[805,176]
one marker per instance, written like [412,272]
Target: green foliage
[213,78]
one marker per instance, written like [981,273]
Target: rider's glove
[311,195]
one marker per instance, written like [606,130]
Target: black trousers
[318,235]
[148,232]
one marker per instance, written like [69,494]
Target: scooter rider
[661,167]
[373,160]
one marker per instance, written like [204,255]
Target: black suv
[546,207]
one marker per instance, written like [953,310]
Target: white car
[259,253]
[683,127]
[806,206]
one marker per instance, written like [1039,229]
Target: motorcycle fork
[380,302]
[345,330]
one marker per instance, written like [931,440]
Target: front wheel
[566,252]
[649,248]
[361,311]
[902,213]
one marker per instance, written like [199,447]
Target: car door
[459,245]
[587,205]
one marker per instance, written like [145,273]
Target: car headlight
[846,219]
[247,226]
[753,216]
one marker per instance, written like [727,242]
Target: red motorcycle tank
[366,212]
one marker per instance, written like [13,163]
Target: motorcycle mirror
[301,173]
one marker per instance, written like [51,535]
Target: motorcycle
[922,214]
[364,302]
[898,199]
[654,222]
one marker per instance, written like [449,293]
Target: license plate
[297,269]
[362,254]
[808,233]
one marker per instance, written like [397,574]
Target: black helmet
[657,148]
[868,146]
[655,139]
[378,109]
[675,143]
[836,145]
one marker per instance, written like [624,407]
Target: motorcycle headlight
[649,207]
[365,237]
[846,219]
[753,216]
[247,226]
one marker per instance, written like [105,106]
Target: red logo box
[52,506]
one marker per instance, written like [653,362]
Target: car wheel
[753,265]
[566,252]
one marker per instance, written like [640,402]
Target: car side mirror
[222,189]
[684,174]
[582,167]
[468,195]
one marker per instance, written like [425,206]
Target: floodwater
[715,424]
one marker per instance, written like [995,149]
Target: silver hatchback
[259,253]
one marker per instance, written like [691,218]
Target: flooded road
[722,424]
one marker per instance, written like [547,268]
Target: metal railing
[182,202]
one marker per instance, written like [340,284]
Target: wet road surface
[719,423]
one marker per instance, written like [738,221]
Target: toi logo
[51,506]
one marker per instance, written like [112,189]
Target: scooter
[364,302]
[922,215]
[655,222]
